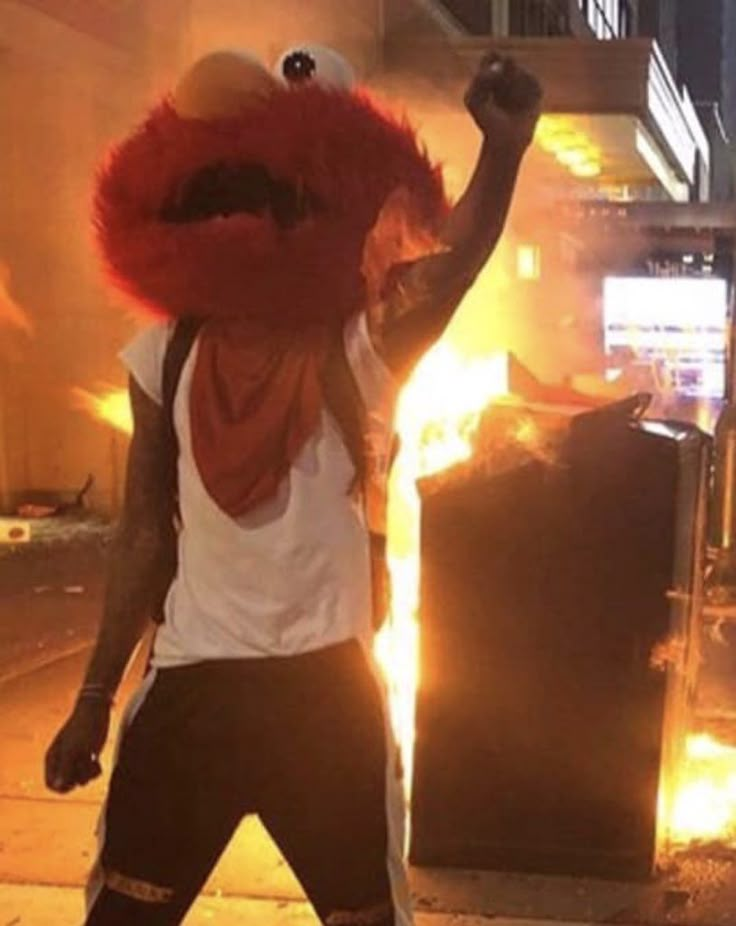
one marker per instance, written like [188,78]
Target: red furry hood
[337,145]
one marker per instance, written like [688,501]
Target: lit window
[529,262]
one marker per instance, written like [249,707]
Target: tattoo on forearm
[421,297]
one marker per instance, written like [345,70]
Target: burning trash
[542,731]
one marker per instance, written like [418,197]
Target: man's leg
[334,803]
[173,805]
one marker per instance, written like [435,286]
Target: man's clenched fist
[73,757]
[504,100]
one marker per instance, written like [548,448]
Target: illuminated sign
[676,329]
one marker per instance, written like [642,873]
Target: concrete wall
[658,19]
[707,66]
[267,28]
[700,37]
[64,93]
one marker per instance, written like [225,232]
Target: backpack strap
[177,351]
[345,401]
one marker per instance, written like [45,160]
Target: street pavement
[47,841]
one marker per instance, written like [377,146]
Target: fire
[11,312]
[704,806]
[109,405]
[438,412]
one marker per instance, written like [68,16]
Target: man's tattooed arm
[422,296]
[140,557]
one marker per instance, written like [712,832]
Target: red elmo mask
[249,201]
[263,213]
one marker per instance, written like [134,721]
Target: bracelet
[95,691]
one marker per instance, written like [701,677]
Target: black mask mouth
[223,190]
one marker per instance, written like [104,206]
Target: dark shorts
[300,741]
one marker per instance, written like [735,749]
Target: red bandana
[256,398]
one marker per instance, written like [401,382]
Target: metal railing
[539,17]
[609,19]
[473,15]
[517,17]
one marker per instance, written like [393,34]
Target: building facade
[706,33]
[693,39]
[729,68]
[658,19]
[615,115]
[604,19]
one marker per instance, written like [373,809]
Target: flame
[704,806]
[669,652]
[11,312]
[438,412]
[110,405]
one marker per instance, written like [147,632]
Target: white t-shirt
[292,575]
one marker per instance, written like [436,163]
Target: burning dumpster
[544,735]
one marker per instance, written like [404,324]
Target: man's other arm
[139,562]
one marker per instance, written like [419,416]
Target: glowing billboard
[675,326]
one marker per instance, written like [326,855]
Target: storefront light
[587,170]
[570,147]
[571,157]
[529,262]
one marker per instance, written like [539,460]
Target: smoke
[551,323]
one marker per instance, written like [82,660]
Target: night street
[48,840]
[368,368]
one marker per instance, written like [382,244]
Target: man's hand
[504,100]
[421,296]
[73,757]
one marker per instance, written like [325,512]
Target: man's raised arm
[504,102]
[140,565]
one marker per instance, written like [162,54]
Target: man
[309,238]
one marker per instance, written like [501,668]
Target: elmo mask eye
[309,63]
[299,66]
